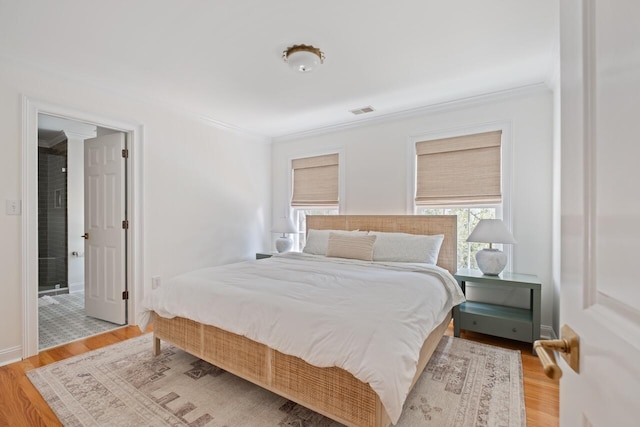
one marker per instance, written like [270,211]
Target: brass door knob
[568,346]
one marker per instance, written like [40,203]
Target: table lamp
[491,261]
[285,226]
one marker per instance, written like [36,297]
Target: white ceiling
[222,59]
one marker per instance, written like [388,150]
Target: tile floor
[61,319]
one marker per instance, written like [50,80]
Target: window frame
[506,167]
[498,211]
[289,211]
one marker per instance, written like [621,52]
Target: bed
[331,391]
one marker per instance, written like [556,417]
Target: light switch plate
[14,207]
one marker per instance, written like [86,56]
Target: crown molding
[259,137]
[48,143]
[428,109]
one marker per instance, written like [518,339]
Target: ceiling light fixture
[303,58]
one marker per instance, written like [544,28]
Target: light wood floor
[22,405]
[541,394]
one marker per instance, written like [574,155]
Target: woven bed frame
[332,392]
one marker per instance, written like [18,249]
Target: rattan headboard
[413,224]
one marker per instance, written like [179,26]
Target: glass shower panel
[52,218]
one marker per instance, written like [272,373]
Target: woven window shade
[459,171]
[315,181]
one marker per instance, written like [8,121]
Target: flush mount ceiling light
[303,58]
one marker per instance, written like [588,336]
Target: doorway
[65,196]
[131,134]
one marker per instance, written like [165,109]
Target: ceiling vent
[363,110]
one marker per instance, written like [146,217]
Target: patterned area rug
[464,384]
[61,319]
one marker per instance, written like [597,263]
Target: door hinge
[125,295]
[125,224]
[125,153]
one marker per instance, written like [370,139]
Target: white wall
[377,160]
[206,190]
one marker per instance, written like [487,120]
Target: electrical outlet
[14,207]
[155,282]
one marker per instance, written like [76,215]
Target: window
[300,219]
[461,176]
[315,191]
[468,218]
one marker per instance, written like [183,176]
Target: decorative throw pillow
[351,246]
[318,240]
[402,247]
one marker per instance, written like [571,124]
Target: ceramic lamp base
[491,261]
[284,244]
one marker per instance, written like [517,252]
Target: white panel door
[600,290]
[104,192]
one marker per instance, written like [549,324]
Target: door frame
[134,198]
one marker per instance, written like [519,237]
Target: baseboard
[10,355]
[76,287]
[547,332]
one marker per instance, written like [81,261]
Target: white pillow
[402,247]
[318,240]
[352,246]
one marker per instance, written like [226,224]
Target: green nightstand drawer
[506,328]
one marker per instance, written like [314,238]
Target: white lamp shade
[491,231]
[284,225]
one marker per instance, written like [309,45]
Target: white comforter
[370,319]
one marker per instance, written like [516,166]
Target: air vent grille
[363,110]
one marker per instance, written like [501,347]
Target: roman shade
[315,181]
[459,171]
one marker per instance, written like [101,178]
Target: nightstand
[508,322]
[263,255]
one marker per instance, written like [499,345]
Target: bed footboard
[332,392]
